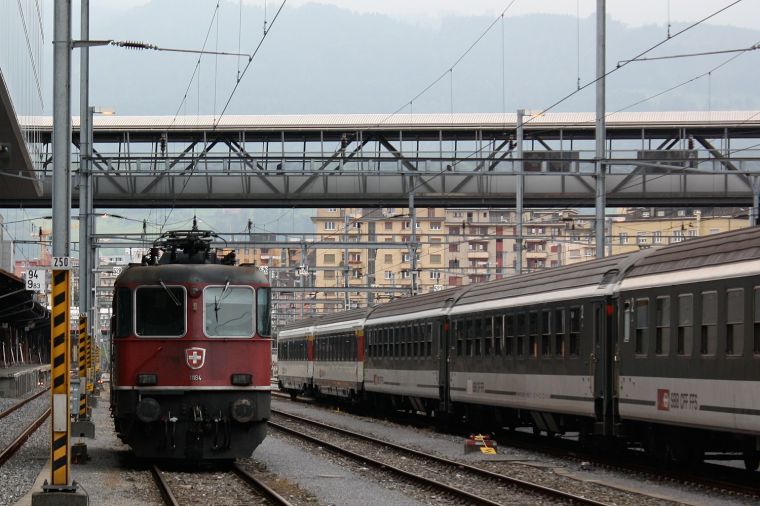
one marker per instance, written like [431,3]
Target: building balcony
[537,254]
[478,254]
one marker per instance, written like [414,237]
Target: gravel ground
[458,478]
[615,486]
[216,488]
[111,476]
[311,470]
[18,474]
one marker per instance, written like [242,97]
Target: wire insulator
[133,44]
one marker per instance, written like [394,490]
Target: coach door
[600,362]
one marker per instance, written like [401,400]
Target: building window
[435,275]
[677,236]
[681,212]
[660,213]
[332,209]
[329,225]
[404,274]
[623,238]
[329,258]
[388,225]
[641,238]
[435,225]
[693,233]
[356,273]
[453,247]
[589,252]
[454,231]
[406,225]
[435,259]
[329,274]
[657,237]
[355,257]
[388,258]
[405,257]
[389,275]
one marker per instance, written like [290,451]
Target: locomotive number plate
[195,377]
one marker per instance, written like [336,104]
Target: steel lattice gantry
[448,160]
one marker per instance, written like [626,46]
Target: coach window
[509,334]
[429,340]
[735,321]
[546,331]
[498,333]
[642,326]
[708,335]
[533,333]
[522,329]
[477,335]
[160,311]
[487,335]
[662,331]
[756,311]
[685,324]
[559,332]
[576,324]
[227,311]
[123,312]
[459,335]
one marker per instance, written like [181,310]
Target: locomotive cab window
[123,313]
[263,306]
[160,311]
[228,311]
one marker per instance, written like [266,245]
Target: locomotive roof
[191,273]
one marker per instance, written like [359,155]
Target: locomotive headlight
[243,410]
[148,410]
[241,379]
[147,379]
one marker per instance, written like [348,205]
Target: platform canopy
[17,175]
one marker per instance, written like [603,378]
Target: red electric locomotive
[191,352]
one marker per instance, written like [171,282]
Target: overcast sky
[634,12]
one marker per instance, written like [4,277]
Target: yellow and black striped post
[60,364]
[90,370]
[82,367]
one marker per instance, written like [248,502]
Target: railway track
[704,477]
[482,487]
[22,403]
[17,443]
[175,493]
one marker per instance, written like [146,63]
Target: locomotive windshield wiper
[171,295]
[218,302]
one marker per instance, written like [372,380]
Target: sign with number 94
[35,280]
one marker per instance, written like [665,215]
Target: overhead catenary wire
[423,181]
[217,119]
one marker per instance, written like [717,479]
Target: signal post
[83,426]
[61,490]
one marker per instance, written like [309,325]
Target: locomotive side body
[191,360]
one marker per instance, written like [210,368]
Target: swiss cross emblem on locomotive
[195,357]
